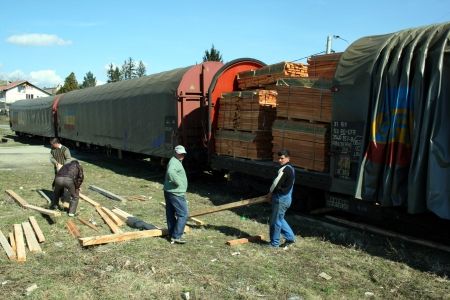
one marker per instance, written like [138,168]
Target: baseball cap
[180,150]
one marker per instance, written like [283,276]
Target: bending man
[70,176]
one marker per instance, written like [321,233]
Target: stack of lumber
[323,66]
[270,74]
[252,145]
[307,142]
[304,99]
[247,110]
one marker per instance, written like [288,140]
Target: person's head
[180,152]
[54,142]
[283,157]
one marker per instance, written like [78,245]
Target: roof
[17,83]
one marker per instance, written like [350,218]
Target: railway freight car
[390,132]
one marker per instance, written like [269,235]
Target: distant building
[18,90]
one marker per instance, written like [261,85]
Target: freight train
[389,137]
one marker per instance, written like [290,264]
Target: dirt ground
[361,265]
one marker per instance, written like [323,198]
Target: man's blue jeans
[278,224]
[176,214]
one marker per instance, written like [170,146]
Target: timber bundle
[323,66]
[270,74]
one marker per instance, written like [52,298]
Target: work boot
[177,241]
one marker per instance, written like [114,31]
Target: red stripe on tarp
[390,154]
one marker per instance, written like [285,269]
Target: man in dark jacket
[280,196]
[70,176]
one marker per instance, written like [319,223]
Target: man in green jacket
[175,186]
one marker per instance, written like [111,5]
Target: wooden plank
[113,217]
[89,200]
[123,215]
[32,242]
[73,229]
[44,196]
[12,241]
[107,193]
[20,243]
[227,206]
[48,212]
[17,198]
[391,234]
[87,223]
[256,238]
[120,237]
[114,228]
[7,247]
[40,236]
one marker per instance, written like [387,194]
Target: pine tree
[128,69]
[88,81]
[113,74]
[70,84]
[141,69]
[212,55]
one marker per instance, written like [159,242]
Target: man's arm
[173,175]
[53,160]
[67,155]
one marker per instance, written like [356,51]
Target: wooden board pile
[247,110]
[14,245]
[323,66]
[252,145]
[270,74]
[304,100]
[307,142]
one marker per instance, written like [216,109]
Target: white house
[18,90]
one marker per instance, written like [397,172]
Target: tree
[212,55]
[128,69]
[88,81]
[113,74]
[70,84]
[141,70]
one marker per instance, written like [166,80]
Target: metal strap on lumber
[87,223]
[108,221]
[256,238]
[32,242]
[44,211]
[107,193]
[37,229]
[120,237]
[73,229]
[44,196]
[113,216]
[20,243]
[8,249]
[89,200]
[227,206]
[17,198]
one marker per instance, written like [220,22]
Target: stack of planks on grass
[138,198]
[247,110]
[197,222]
[270,74]
[32,242]
[120,237]
[7,247]
[323,66]
[87,223]
[24,204]
[304,99]
[113,217]
[20,243]
[250,239]
[307,142]
[107,193]
[73,229]
[113,226]
[251,145]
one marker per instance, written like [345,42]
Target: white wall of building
[23,91]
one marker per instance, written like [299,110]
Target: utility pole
[329,44]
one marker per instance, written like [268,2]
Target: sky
[43,41]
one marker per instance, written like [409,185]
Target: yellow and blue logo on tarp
[69,119]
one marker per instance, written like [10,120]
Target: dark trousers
[176,214]
[62,183]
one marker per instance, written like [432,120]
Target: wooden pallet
[252,145]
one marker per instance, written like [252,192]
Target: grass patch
[205,267]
